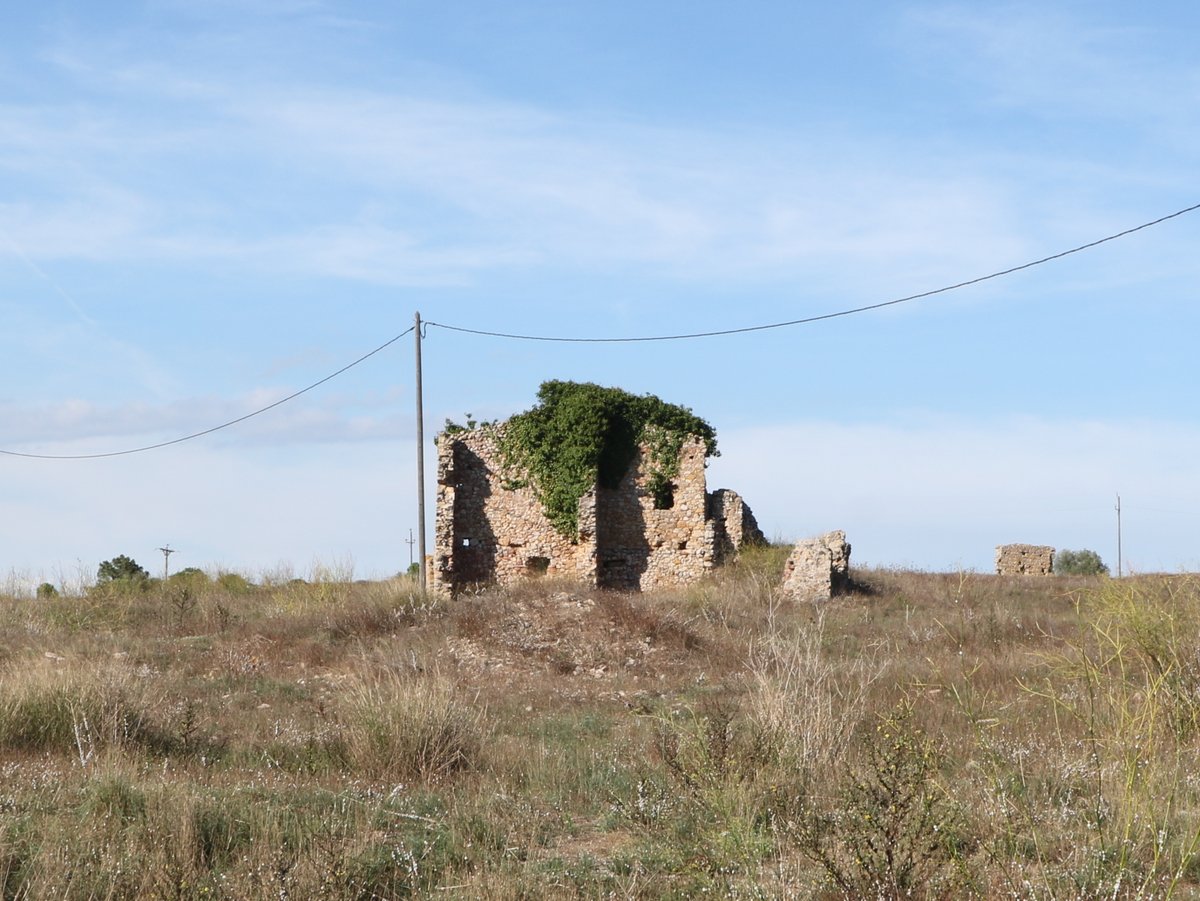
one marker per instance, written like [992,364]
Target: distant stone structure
[818,568]
[491,527]
[1024,560]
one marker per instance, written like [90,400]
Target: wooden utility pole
[1118,536]
[420,458]
[167,551]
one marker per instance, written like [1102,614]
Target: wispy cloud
[423,186]
[82,427]
[55,286]
[511,187]
[1053,63]
[608,192]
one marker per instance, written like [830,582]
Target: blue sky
[204,207]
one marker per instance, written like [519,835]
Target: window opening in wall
[537,566]
[664,496]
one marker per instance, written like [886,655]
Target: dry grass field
[929,736]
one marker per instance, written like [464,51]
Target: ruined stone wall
[488,530]
[1024,560]
[644,543]
[734,523]
[491,528]
[818,568]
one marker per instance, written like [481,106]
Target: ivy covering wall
[579,435]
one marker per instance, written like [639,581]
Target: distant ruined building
[1024,560]
[636,536]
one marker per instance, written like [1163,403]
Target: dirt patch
[579,635]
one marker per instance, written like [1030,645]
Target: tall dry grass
[928,736]
[79,709]
[804,702]
[407,727]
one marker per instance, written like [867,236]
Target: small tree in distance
[121,568]
[1079,563]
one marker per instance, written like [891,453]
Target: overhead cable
[823,316]
[633,339]
[215,428]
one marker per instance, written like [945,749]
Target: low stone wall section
[818,568]
[1024,560]
[734,522]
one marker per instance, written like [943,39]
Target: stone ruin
[1024,560]
[491,527]
[818,568]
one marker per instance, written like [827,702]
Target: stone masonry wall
[641,546]
[1024,560]
[735,523]
[490,531]
[818,568]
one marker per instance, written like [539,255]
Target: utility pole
[167,551]
[410,542]
[1118,536]
[420,458]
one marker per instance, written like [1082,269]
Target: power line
[678,337]
[823,316]
[216,428]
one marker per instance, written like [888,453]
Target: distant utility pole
[1118,536]
[167,551]
[420,456]
[410,542]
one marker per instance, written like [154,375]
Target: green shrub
[892,833]
[46,590]
[234,583]
[191,576]
[1079,563]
